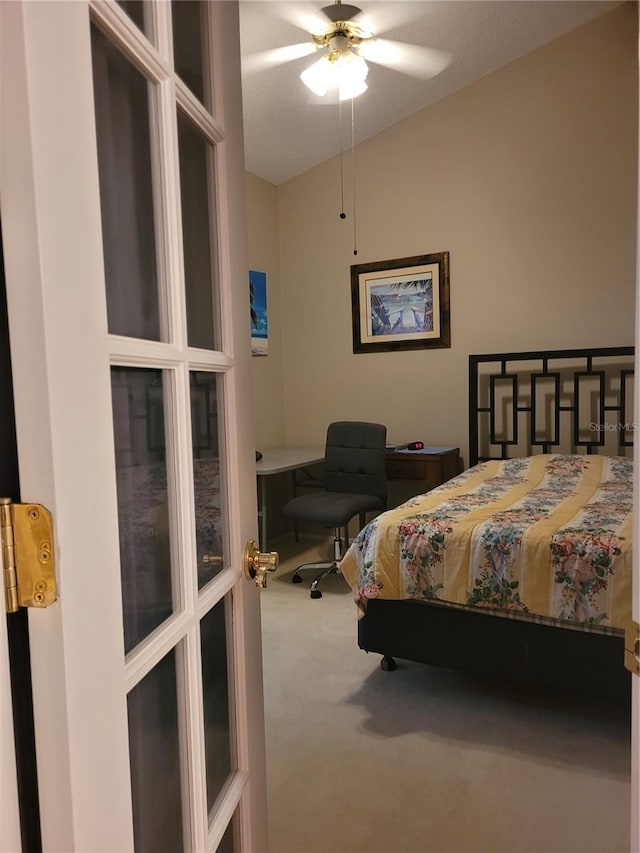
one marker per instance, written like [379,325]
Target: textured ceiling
[286,134]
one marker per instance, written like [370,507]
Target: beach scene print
[403,306]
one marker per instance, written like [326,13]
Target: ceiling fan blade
[255,62]
[304,16]
[383,17]
[413,59]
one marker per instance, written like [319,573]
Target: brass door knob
[632,647]
[257,564]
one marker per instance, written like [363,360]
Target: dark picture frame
[401,304]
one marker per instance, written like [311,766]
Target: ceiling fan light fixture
[351,72]
[318,77]
[343,70]
[351,89]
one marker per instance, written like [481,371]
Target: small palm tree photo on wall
[258,305]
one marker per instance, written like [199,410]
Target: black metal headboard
[560,401]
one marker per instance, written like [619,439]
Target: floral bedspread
[547,535]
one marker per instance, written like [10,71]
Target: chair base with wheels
[339,547]
[355,484]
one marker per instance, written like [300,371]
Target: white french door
[635,679]
[122,180]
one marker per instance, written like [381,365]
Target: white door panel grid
[122,178]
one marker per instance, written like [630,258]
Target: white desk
[275,462]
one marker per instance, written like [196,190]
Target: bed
[519,567]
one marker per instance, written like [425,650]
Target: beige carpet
[424,759]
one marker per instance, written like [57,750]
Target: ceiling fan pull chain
[343,215]
[353,170]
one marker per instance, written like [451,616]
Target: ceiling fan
[346,40]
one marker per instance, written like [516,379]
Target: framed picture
[401,304]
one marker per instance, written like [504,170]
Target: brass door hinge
[632,647]
[26,539]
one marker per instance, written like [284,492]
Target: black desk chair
[355,483]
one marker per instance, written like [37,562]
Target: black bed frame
[552,403]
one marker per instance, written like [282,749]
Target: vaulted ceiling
[287,130]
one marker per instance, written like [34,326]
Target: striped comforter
[546,535]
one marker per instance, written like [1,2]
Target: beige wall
[527,178]
[267,371]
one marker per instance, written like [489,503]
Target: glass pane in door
[206,475]
[199,239]
[143,500]
[154,753]
[121,95]
[135,10]
[215,690]
[190,52]
[228,843]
